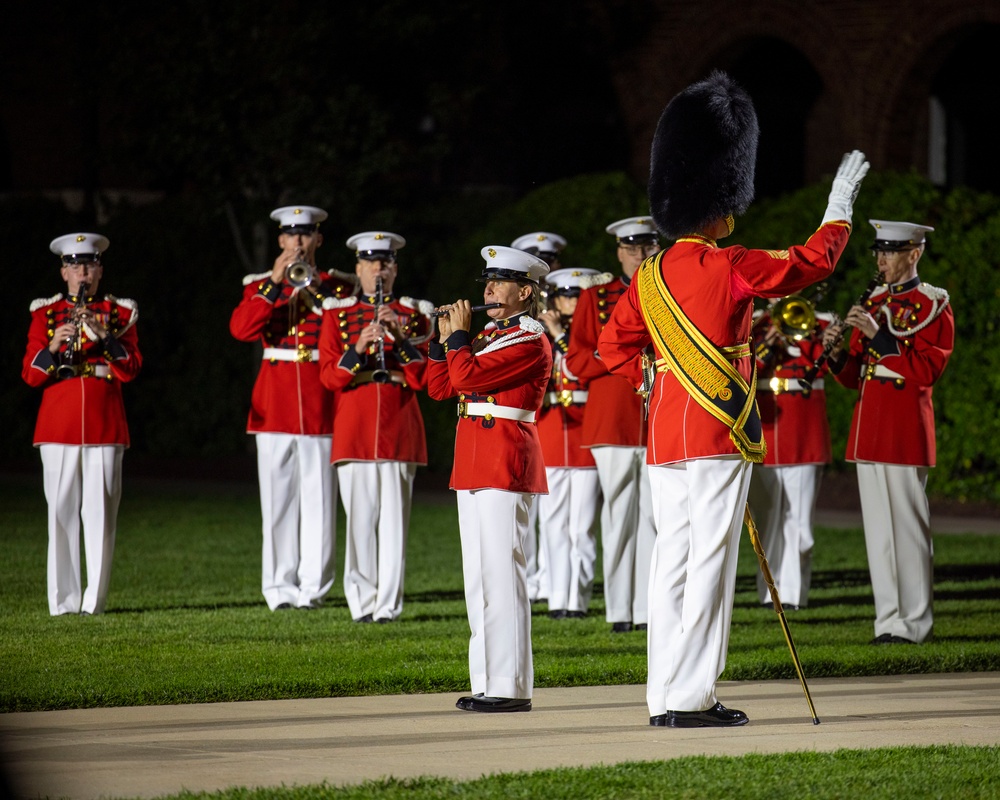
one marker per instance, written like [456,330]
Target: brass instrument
[300,274]
[66,368]
[839,326]
[794,316]
[380,374]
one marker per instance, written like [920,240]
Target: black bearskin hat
[702,162]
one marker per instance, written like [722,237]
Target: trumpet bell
[794,316]
[299,274]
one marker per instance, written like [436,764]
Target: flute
[446,311]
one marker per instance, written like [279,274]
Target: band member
[372,357]
[548,247]
[694,303]
[902,339]
[81,348]
[500,378]
[614,428]
[783,488]
[567,514]
[291,412]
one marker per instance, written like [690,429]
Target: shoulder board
[248,279]
[425,307]
[589,281]
[41,302]
[934,292]
[339,302]
[531,324]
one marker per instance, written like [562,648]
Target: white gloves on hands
[846,184]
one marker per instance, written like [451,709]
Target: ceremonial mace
[769,580]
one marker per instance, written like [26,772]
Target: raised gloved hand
[846,183]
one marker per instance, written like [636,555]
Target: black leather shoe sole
[716,717]
[492,705]
[621,627]
[365,618]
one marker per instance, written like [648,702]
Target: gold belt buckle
[86,369]
[463,409]
[303,354]
[779,385]
[566,398]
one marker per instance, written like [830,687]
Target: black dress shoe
[492,705]
[384,620]
[365,618]
[639,626]
[884,638]
[282,606]
[576,614]
[900,640]
[621,627]
[559,613]
[716,717]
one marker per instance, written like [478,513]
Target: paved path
[154,750]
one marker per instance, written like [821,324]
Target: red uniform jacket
[715,287]
[560,423]
[615,413]
[795,424]
[85,409]
[895,373]
[375,421]
[512,370]
[288,396]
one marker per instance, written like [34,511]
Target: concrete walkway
[154,750]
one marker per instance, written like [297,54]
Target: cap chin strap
[730,223]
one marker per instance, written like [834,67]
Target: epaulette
[131,305]
[425,307]
[346,277]
[935,292]
[248,279]
[590,281]
[532,324]
[339,302]
[41,302]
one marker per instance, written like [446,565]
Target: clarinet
[380,374]
[67,368]
[806,380]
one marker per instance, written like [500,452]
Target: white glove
[846,184]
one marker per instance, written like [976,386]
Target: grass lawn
[186,623]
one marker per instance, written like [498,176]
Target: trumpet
[806,380]
[66,368]
[300,274]
[445,311]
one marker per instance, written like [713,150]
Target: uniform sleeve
[250,317]
[582,359]
[439,386]
[39,365]
[124,357]
[625,336]
[492,371]
[337,367]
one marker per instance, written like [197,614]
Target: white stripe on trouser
[298,504]
[897,524]
[783,501]
[699,508]
[493,526]
[627,531]
[566,517]
[81,483]
[376,496]
[534,554]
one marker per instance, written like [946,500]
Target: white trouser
[699,508]
[298,505]
[493,527]
[81,483]
[897,524]
[627,531]
[566,517]
[376,497]
[783,500]
[535,555]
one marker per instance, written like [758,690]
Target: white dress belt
[288,354]
[782,385]
[493,410]
[575,396]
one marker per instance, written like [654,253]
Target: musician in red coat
[784,486]
[291,412]
[693,303]
[614,428]
[81,348]
[500,377]
[372,357]
[568,512]
[902,339]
